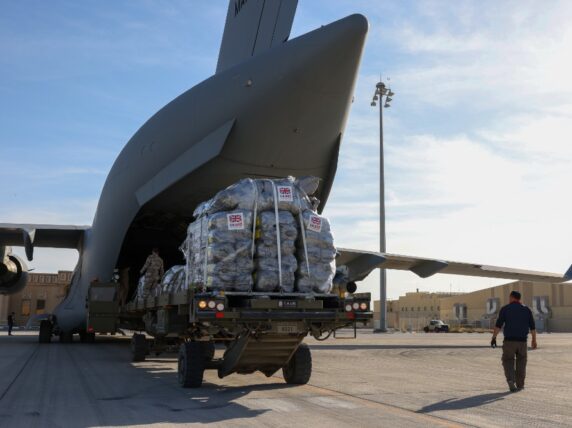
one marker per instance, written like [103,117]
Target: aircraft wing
[41,235]
[361,263]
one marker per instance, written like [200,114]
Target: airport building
[551,305]
[41,295]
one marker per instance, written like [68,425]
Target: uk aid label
[235,221]
[285,194]
[315,223]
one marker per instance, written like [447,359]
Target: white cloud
[496,192]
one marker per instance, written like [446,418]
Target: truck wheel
[191,364]
[138,347]
[208,350]
[45,335]
[299,368]
[426,329]
[66,337]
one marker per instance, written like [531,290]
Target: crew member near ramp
[153,270]
[517,320]
[10,323]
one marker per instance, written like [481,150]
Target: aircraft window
[40,306]
[25,309]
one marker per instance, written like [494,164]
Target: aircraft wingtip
[568,274]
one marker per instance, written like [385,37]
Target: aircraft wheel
[87,337]
[139,348]
[191,366]
[299,368]
[45,335]
[66,337]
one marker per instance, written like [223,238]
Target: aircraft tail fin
[252,27]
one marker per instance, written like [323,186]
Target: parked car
[436,326]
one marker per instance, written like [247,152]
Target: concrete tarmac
[389,380]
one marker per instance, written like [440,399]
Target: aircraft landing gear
[66,337]
[45,335]
[139,347]
[87,337]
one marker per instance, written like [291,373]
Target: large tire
[208,350]
[139,347]
[191,364]
[426,329]
[299,368]
[45,335]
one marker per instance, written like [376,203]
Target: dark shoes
[513,387]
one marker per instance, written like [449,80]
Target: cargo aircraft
[274,107]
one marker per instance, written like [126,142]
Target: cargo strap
[278,243]
[255,212]
[303,232]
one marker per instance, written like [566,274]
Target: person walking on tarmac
[10,323]
[153,270]
[517,320]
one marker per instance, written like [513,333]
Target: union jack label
[235,221]
[315,223]
[285,194]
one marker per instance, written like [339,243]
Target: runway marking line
[32,354]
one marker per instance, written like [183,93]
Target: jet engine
[13,272]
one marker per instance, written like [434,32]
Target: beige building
[41,295]
[413,311]
[551,305]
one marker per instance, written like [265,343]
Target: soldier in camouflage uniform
[153,270]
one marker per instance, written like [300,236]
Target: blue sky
[478,139]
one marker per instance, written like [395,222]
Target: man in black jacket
[517,320]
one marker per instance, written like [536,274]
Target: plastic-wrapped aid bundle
[173,280]
[246,194]
[268,276]
[220,251]
[317,261]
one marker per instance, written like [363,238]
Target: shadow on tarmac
[358,346]
[464,403]
[110,391]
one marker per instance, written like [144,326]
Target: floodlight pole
[382,91]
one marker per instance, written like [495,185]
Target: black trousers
[10,327]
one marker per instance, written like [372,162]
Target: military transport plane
[285,107]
